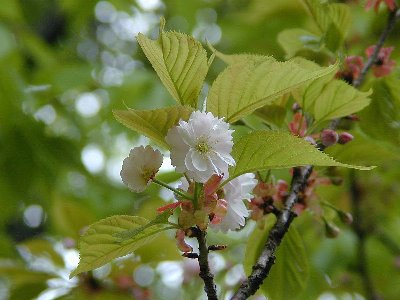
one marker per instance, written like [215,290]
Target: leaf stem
[176,191]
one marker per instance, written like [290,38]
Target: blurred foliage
[66,64]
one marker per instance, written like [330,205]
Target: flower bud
[345,137]
[345,217]
[331,230]
[329,137]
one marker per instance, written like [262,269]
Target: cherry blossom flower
[375,3]
[236,191]
[383,65]
[140,167]
[201,146]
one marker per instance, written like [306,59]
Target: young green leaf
[289,276]
[99,245]
[239,58]
[333,21]
[261,150]
[153,123]
[181,63]
[244,87]
[295,40]
[332,99]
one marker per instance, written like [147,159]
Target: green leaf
[290,273]
[261,150]
[99,245]
[333,99]
[240,58]
[181,63]
[244,87]
[295,40]
[385,107]
[333,21]
[131,233]
[153,123]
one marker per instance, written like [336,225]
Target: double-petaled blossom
[375,3]
[235,191]
[140,167]
[383,65]
[201,146]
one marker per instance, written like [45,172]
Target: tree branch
[299,181]
[205,273]
[393,17]
[267,258]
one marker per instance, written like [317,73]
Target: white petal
[200,162]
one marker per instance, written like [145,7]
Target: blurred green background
[66,64]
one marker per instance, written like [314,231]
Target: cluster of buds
[330,137]
[354,64]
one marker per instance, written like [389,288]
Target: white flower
[236,191]
[201,146]
[140,167]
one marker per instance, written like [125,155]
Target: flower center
[148,174]
[202,147]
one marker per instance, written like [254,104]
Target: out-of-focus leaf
[380,120]
[99,245]
[70,217]
[181,63]
[296,40]
[153,123]
[333,21]
[261,150]
[244,87]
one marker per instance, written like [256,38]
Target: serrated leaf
[153,123]
[99,245]
[330,99]
[295,40]
[244,87]
[181,63]
[131,233]
[239,58]
[261,150]
[289,275]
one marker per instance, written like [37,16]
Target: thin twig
[205,273]
[361,233]
[393,17]
[299,181]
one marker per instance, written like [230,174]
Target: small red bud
[329,137]
[331,230]
[345,137]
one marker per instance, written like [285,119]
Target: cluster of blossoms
[201,150]
[353,64]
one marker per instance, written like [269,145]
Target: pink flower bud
[345,137]
[329,137]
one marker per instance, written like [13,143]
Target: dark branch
[205,273]
[393,17]
[267,258]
